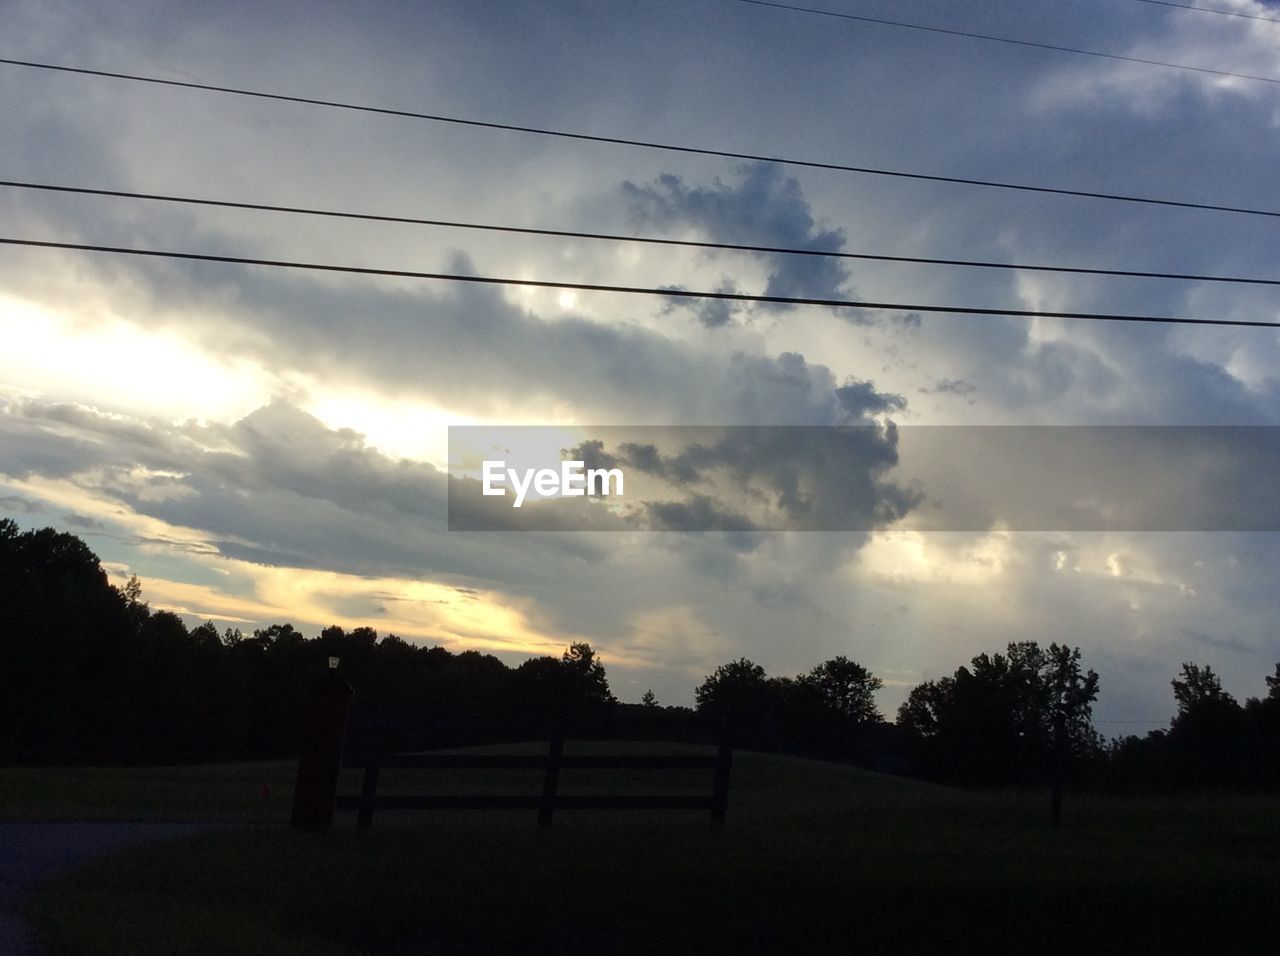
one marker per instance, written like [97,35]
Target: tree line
[1016,718]
[90,674]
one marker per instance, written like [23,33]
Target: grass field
[815,858]
[230,793]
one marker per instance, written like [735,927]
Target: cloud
[1212,43]
[468,348]
[710,313]
[788,390]
[761,207]
[950,386]
[758,477]
[275,488]
[16,504]
[1231,644]
[860,400]
[311,521]
[698,513]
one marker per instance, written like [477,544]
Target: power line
[1223,13]
[636,290]
[642,144]
[999,39]
[648,240]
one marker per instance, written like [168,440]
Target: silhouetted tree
[392,707]
[924,712]
[1070,693]
[738,692]
[1211,741]
[845,688]
[823,713]
[587,674]
[1264,717]
[568,693]
[65,650]
[1211,738]
[1199,688]
[1005,718]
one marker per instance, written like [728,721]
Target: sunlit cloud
[114,362]
[912,558]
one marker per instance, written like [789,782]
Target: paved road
[33,852]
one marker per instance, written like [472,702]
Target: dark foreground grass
[223,793]
[815,858]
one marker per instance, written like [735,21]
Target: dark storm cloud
[710,313]
[698,513]
[762,207]
[800,477]
[761,386]
[742,478]
[859,400]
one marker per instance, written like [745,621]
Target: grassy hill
[815,858]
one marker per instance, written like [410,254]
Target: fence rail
[551,763]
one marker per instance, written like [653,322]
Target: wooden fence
[550,800]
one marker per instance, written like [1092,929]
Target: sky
[263,445]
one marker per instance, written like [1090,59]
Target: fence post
[315,789]
[368,793]
[551,782]
[720,789]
